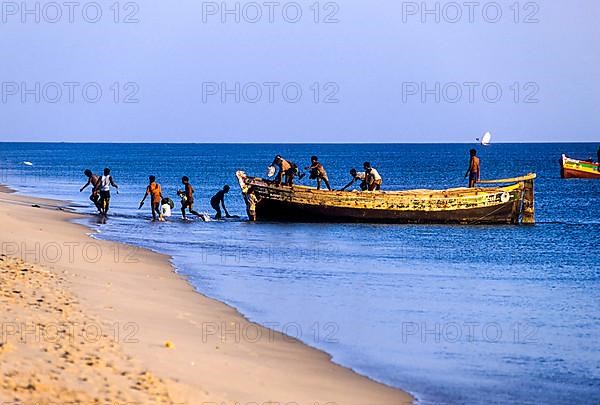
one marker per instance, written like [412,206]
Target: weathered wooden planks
[459,205]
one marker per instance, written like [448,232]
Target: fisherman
[317,171]
[219,199]
[187,198]
[372,177]
[155,197]
[287,169]
[93,181]
[251,201]
[598,156]
[474,169]
[362,176]
[103,187]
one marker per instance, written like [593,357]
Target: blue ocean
[452,314]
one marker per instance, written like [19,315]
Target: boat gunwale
[450,193]
[577,162]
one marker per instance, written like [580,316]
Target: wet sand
[116,324]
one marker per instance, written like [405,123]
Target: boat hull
[567,173]
[578,169]
[484,205]
[285,211]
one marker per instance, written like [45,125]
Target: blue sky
[384,72]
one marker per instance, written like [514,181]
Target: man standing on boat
[373,178]
[287,169]
[317,171]
[474,169]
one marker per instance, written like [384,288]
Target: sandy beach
[94,321]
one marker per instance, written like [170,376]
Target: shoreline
[217,354]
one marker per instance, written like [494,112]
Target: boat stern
[525,206]
[528,206]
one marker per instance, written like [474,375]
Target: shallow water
[469,314]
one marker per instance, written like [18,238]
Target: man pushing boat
[218,200]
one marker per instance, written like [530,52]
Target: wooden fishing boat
[578,169]
[506,201]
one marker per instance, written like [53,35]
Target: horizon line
[298,143]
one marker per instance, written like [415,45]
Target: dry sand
[52,350]
[116,324]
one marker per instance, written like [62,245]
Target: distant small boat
[485,139]
[512,203]
[578,169]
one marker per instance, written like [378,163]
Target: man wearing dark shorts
[474,170]
[103,187]
[219,199]
[187,198]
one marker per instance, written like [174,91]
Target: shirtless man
[287,169]
[474,169]
[251,201]
[187,198]
[317,171]
[219,199]
[93,181]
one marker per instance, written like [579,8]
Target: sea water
[453,314]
